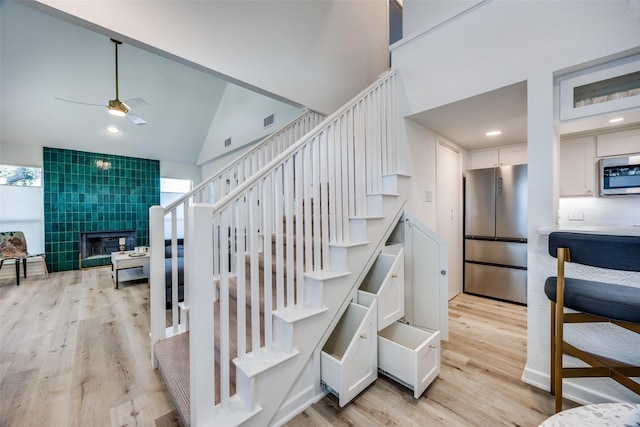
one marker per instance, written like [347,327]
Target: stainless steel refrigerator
[496,233]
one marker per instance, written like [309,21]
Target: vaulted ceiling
[44,58]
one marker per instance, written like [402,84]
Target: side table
[125,261]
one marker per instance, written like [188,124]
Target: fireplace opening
[100,244]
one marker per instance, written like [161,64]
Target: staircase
[307,226]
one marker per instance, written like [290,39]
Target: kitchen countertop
[622,231]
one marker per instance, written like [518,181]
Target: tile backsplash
[94,192]
[610,211]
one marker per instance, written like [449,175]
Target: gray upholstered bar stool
[594,301]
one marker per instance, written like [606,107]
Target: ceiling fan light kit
[117,108]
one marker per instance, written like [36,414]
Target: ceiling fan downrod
[116,107]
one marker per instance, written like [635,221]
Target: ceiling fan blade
[81,103]
[136,120]
[135,103]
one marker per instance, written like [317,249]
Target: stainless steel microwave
[619,175]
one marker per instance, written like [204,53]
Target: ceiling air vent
[227,142]
[269,120]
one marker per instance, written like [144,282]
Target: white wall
[22,208]
[420,14]
[217,164]
[501,43]
[240,116]
[180,170]
[316,53]
[421,166]
[28,215]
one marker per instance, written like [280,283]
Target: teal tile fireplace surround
[94,192]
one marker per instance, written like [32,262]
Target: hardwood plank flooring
[74,351]
[479,384]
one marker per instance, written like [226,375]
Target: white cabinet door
[618,143]
[349,359]
[503,156]
[482,159]
[426,277]
[513,155]
[577,166]
[384,283]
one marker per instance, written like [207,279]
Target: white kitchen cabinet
[409,355]
[349,359]
[384,283]
[482,159]
[502,156]
[577,167]
[618,143]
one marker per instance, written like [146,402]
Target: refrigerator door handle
[500,186]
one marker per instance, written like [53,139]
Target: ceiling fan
[116,107]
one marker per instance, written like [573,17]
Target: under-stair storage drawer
[349,360]
[384,283]
[409,355]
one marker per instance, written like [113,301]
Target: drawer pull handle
[433,346]
[363,336]
[395,276]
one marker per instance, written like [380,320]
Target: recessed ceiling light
[494,132]
[113,129]
[616,120]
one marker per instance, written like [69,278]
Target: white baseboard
[570,390]
[296,405]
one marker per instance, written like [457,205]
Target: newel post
[199,241]
[156,278]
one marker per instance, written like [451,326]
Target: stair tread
[384,194]
[349,244]
[326,274]
[298,312]
[255,363]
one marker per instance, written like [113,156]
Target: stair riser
[303,335]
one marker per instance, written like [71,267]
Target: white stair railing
[175,222]
[274,228]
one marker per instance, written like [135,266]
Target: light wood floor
[74,351]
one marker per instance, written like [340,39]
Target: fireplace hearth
[100,244]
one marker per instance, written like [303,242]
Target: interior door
[448,210]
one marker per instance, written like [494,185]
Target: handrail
[289,152]
[201,186]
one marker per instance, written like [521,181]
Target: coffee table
[126,261]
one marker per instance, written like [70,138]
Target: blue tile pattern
[79,196]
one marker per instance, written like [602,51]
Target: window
[24,176]
[171,189]
[21,203]
[175,185]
